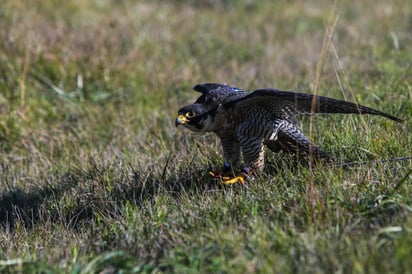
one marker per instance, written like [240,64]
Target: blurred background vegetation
[90,161]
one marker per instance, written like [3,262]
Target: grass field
[94,176]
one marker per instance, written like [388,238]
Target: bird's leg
[253,153]
[231,154]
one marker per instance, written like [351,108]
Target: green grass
[95,177]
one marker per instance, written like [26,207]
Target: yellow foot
[226,180]
[238,179]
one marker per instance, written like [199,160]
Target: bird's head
[195,117]
[201,115]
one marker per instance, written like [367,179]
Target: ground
[94,176]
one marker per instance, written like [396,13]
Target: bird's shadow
[80,195]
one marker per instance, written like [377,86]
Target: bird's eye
[190,114]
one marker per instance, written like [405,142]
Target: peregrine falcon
[246,121]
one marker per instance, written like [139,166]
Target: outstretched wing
[287,105]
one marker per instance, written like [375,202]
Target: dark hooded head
[195,117]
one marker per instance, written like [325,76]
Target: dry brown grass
[90,161]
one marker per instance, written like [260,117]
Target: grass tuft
[95,178]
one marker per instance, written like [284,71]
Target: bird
[246,122]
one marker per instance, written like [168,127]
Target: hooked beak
[180,120]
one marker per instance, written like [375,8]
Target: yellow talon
[237,179]
[226,180]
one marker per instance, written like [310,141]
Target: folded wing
[287,105]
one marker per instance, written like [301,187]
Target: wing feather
[287,105]
[214,94]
